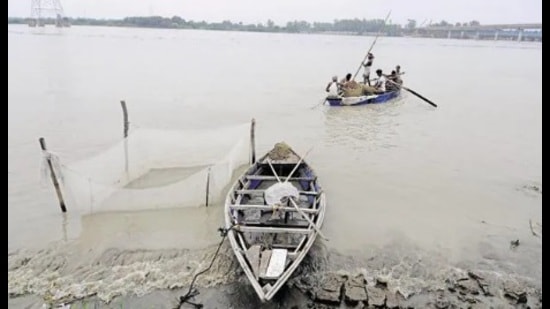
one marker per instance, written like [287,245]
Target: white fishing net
[154,169]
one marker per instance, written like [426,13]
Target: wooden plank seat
[271,208]
[267,229]
[260,191]
[267,177]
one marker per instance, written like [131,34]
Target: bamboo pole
[253,141]
[372,45]
[54,177]
[207,185]
[125,133]
[125,118]
[64,224]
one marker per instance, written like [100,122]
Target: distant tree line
[351,26]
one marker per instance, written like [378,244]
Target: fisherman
[350,88]
[333,87]
[391,82]
[367,66]
[345,80]
[398,75]
[380,84]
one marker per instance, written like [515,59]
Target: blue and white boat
[362,100]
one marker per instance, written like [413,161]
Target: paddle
[295,205]
[413,92]
[372,45]
[321,102]
[297,164]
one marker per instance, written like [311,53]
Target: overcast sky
[282,11]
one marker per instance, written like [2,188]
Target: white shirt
[333,88]
[380,83]
[367,67]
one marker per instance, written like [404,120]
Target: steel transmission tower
[42,9]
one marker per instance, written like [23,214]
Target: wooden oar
[297,164]
[273,170]
[321,102]
[296,206]
[308,219]
[371,46]
[413,92]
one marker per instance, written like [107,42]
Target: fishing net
[154,169]
[353,89]
[280,151]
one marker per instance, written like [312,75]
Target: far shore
[460,31]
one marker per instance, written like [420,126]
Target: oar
[297,164]
[321,102]
[413,92]
[308,219]
[372,45]
[273,170]
[290,198]
[296,206]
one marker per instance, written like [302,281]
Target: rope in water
[194,292]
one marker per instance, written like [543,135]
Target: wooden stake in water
[253,141]
[125,133]
[125,118]
[54,177]
[207,185]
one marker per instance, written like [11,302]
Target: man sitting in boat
[345,80]
[398,70]
[351,88]
[378,87]
[333,87]
[392,83]
[398,73]
[380,82]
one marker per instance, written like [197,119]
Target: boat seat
[253,257]
[267,177]
[272,264]
[260,192]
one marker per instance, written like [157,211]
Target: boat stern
[334,101]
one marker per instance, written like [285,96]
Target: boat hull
[271,240]
[362,100]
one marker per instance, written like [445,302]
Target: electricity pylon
[41,9]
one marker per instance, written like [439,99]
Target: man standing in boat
[367,66]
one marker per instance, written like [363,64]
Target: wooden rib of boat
[274,212]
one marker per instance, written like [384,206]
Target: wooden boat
[273,214]
[362,100]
